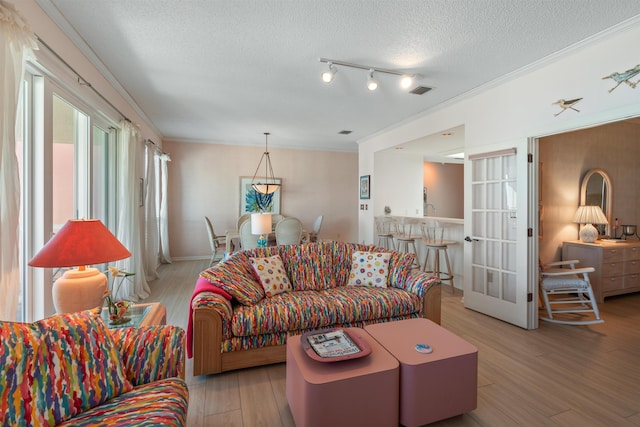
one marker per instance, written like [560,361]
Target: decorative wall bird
[566,104]
[624,77]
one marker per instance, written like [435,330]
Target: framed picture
[252,201]
[365,187]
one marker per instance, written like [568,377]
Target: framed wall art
[365,187]
[252,201]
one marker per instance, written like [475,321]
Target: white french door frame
[501,230]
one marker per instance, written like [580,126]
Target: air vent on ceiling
[420,90]
[345,132]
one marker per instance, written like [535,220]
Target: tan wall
[566,158]
[204,179]
[445,189]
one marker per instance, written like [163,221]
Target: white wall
[204,179]
[522,107]
[397,183]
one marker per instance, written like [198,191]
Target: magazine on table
[333,343]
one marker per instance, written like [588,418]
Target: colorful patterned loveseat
[238,320]
[70,370]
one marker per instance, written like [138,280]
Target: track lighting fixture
[372,83]
[328,75]
[406,81]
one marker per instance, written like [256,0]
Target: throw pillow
[236,277]
[273,277]
[369,269]
[61,366]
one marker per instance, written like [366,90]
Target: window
[67,156]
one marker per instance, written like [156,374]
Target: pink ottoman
[358,392]
[433,386]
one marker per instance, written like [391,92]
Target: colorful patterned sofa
[70,370]
[235,324]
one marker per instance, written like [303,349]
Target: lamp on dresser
[80,242]
[588,216]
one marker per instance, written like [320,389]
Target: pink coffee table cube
[433,386]
[358,392]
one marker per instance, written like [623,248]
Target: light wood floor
[556,375]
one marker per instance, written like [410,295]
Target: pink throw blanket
[202,285]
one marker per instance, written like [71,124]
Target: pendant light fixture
[268,185]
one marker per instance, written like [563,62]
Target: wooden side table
[157,314]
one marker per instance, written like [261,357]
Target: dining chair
[276,218]
[216,242]
[289,231]
[247,239]
[241,219]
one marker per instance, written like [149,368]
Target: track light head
[372,83]
[406,81]
[328,75]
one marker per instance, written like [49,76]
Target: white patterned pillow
[369,269]
[273,277]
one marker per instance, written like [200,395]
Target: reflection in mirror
[596,190]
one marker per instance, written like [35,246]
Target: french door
[497,246]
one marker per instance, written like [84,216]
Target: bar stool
[384,232]
[432,238]
[406,240]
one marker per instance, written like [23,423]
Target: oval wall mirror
[596,189]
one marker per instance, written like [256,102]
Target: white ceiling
[224,71]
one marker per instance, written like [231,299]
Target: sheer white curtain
[152,227]
[130,213]
[16,44]
[156,221]
[165,256]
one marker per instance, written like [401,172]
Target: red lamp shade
[80,242]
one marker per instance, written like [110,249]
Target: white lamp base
[79,290]
[588,234]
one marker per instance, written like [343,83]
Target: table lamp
[589,215]
[261,225]
[80,242]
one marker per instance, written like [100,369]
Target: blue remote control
[423,348]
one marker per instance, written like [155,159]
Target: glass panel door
[496,246]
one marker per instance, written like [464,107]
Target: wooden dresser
[617,265]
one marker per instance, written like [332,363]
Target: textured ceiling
[224,71]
